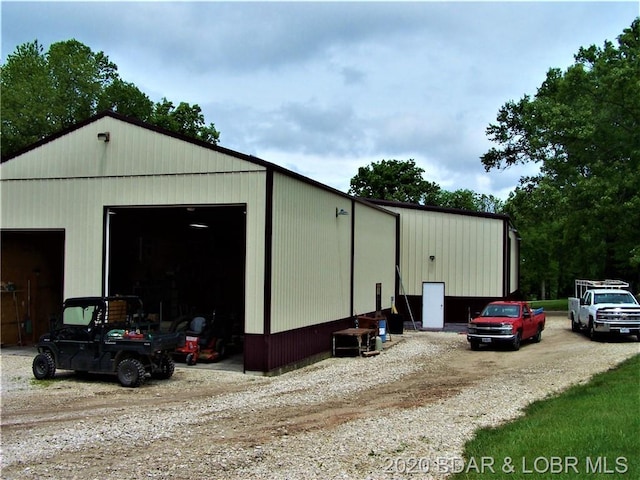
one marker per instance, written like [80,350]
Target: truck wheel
[515,343]
[593,335]
[538,336]
[167,367]
[43,366]
[474,345]
[131,372]
[575,326]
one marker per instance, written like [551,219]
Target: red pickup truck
[506,322]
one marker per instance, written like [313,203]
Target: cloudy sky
[325,88]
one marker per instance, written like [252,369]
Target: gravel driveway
[342,418]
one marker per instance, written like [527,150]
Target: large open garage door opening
[184,262]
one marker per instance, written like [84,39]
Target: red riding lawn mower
[204,339]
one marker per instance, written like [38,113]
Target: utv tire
[131,373]
[167,367]
[515,343]
[43,366]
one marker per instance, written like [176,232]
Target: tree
[45,92]
[583,128]
[394,180]
[466,199]
[402,181]
[185,119]
[126,99]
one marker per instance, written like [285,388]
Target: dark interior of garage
[182,261]
[32,276]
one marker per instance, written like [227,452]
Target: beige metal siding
[374,258]
[77,207]
[131,151]
[36,192]
[311,255]
[467,252]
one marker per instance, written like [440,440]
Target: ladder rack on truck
[582,286]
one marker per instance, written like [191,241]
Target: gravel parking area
[342,418]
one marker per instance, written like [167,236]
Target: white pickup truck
[604,307]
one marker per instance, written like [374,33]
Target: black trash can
[396,324]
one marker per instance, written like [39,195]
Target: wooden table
[359,339]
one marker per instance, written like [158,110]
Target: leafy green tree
[402,181]
[45,92]
[394,180]
[126,99]
[185,119]
[542,241]
[466,199]
[583,128]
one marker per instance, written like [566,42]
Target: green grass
[561,304]
[41,383]
[589,431]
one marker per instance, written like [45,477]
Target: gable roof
[192,141]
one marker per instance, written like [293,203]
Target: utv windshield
[510,311]
[79,315]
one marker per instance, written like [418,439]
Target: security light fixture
[340,212]
[432,257]
[103,137]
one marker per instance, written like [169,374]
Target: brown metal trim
[353,259]
[506,260]
[275,352]
[268,251]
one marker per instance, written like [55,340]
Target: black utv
[107,335]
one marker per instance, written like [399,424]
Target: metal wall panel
[131,151]
[467,251]
[77,206]
[311,273]
[374,257]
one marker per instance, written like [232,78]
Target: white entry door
[432,305]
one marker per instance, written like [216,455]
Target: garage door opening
[183,262]
[32,277]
